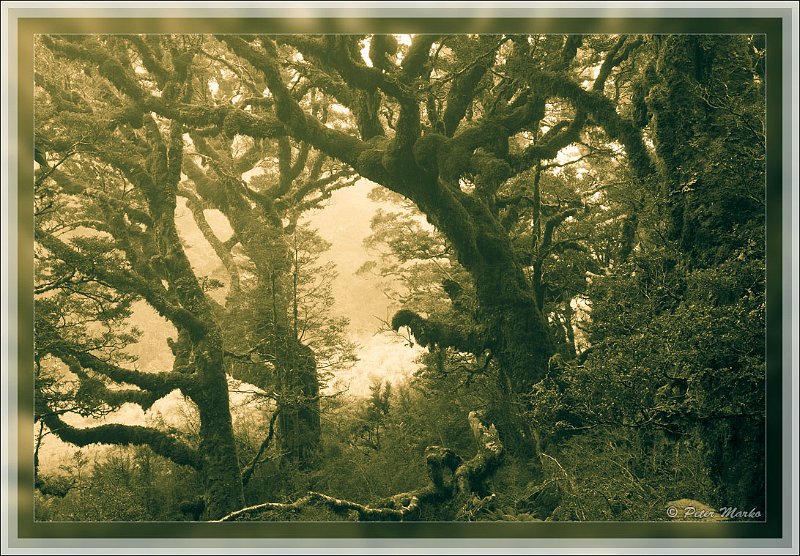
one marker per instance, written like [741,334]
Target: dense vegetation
[578,243]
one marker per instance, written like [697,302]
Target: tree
[262,187]
[125,241]
[445,122]
[677,332]
[476,132]
[120,236]
[263,315]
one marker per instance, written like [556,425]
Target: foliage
[573,225]
[317,323]
[124,485]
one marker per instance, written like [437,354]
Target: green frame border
[776,378]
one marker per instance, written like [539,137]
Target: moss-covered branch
[154,66]
[417,55]
[89,50]
[124,435]
[304,127]
[566,132]
[553,223]
[365,513]
[159,383]
[547,147]
[604,113]
[123,280]
[471,474]
[462,92]
[430,333]
[113,397]
[333,53]
[568,52]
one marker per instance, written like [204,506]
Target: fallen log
[451,478]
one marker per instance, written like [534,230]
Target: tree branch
[125,435]
[464,89]
[195,205]
[568,52]
[340,145]
[417,55]
[332,52]
[109,67]
[553,223]
[247,473]
[318,185]
[604,112]
[123,280]
[428,332]
[153,66]
[564,133]
[115,398]
[365,513]
[159,384]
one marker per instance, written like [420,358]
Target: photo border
[774,22]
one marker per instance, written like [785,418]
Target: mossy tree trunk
[258,227]
[299,418]
[123,189]
[705,104]
[454,170]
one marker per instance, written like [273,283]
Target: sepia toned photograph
[392,277]
[443,280]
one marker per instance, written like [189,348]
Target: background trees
[580,247]
[698,276]
[123,178]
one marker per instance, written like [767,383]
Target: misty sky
[345,222]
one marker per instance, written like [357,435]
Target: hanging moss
[426,151]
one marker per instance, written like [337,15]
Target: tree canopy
[578,243]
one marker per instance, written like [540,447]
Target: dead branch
[451,478]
